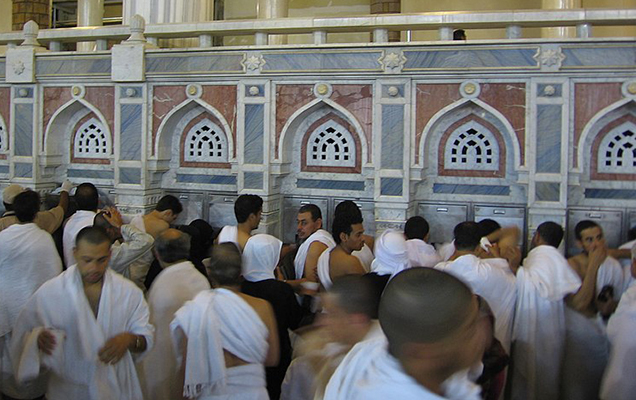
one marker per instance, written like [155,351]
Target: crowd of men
[96,307]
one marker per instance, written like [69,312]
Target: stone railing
[378,25]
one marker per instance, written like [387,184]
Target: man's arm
[581,300]
[311,262]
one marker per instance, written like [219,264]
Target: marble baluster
[559,32]
[273,9]
[89,13]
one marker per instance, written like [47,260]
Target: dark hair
[26,205]
[313,209]
[245,205]
[487,226]
[551,233]
[342,224]
[467,236]
[347,207]
[86,197]
[169,202]
[225,265]
[172,249]
[459,34]
[583,225]
[416,228]
[631,234]
[355,295]
[93,235]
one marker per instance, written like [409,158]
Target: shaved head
[172,246]
[424,305]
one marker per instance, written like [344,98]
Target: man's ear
[320,225]
[343,237]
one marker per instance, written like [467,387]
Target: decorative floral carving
[550,57]
[393,61]
[253,62]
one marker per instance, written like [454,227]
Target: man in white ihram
[543,281]
[84,327]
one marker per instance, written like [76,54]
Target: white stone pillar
[89,13]
[170,11]
[560,32]
[266,9]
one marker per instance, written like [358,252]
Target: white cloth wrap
[260,257]
[78,221]
[229,233]
[60,304]
[369,372]
[174,286]
[365,255]
[495,282]
[216,320]
[321,236]
[619,381]
[422,254]
[391,254]
[28,258]
[586,344]
[626,263]
[323,269]
[539,327]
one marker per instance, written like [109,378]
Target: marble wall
[527,133]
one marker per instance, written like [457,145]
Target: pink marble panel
[223,98]
[589,99]
[594,174]
[500,173]
[194,164]
[358,100]
[510,100]
[54,98]
[103,98]
[5,111]
[165,98]
[430,99]
[290,98]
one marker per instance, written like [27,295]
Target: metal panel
[631,219]
[221,210]
[192,206]
[368,214]
[442,219]
[505,216]
[609,220]
[290,212]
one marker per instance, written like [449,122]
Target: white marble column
[89,13]
[560,32]
[273,9]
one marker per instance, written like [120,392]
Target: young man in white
[315,241]
[84,327]
[247,210]
[421,254]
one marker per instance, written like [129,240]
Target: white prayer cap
[260,257]
[391,253]
[10,193]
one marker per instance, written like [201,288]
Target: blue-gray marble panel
[558,90]
[27,92]
[130,175]
[487,190]
[391,186]
[599,56]
[547,191]
[322,61]
[23,129]
[23,170]
[620,194]
[90,174]
[471,59]
[254,133]
[3,69]
[209,179]
[392,136]
[185,63]
[136,92]
[73,66]
[329,184]
[548,139]
[253,180]
[130,145]
[4,169]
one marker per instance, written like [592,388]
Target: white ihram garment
[229,233]
[321,236]
[422,254]
[391,254]
[78,221]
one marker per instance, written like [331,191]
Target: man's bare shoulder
[242,238]
[344,263]
[578,262]
[262,307]
[154,226]
[317,247]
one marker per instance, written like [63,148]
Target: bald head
[172,246]
[424,305]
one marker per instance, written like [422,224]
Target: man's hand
[66,186]
[46,342]
[115,348]
[597,256]
[513,255]
[112,215]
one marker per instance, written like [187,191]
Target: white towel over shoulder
[321,236]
